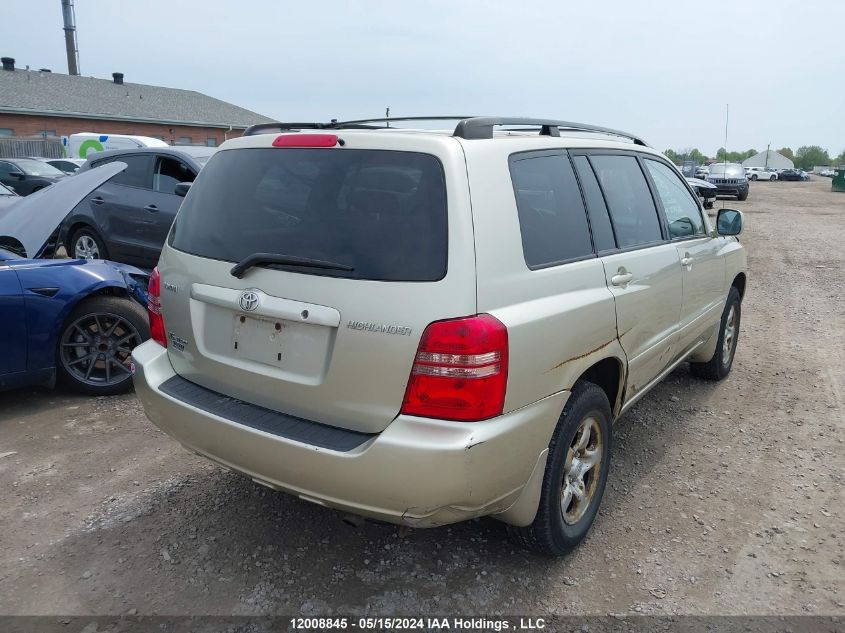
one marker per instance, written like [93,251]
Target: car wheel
[720,364]
[575,477]
[742,197]
[86,244]
[708,204]
[96,343]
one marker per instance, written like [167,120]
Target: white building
[769,158]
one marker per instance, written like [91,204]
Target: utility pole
[69,16]
[767,154]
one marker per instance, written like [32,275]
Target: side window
[599,219]
[681,210]
[170,172]
[629,200]
[552,219]
[136,174]
[7,168]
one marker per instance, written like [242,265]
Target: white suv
[759,173]
[425,327]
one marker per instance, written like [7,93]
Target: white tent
[769,158]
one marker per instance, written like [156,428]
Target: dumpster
[839,179]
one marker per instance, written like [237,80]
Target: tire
[720,364]
[86,244]
[742,197]
[550,533]
[708,204]
[753,176]
[92,355]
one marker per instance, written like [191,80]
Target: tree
[786,152]
[673,156]
[840,160]
[809,156]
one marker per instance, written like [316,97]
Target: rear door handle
[621,279]
[97,200]
[687,260]
[151,208]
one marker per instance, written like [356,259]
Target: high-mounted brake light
[305,140]
[460,371]
[157,331]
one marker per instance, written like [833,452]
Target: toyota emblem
[248,300]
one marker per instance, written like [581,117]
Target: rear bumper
[417,471]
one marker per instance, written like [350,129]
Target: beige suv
[424,326]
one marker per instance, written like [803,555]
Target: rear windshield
[381,212]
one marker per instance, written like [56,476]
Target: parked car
[791,174]
[730,180]
[74,320]
[701,172]
[67,165]
[428,327]
[127,218]
[706,191]
[26,175]
[828,173]
[760,173]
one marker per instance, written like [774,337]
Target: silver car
[429,326]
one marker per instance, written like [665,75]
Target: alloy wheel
[95,349]
[582,470]
[86,247]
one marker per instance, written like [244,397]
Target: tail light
[157,332]
[460,371]
[306,140]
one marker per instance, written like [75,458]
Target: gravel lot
[722,498]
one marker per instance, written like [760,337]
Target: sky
[662,69]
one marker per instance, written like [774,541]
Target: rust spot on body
[585,354]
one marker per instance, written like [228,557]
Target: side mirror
[18,174]
[729,222]
[182,189]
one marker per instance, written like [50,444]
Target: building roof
[56,94]
[769,158]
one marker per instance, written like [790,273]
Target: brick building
[36,103]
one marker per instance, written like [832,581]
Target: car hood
[697,182]
[31,220]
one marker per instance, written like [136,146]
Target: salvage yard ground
[722,498]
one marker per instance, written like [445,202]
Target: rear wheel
[86,244]
[575,477]
[96,342]
[720,364]
[753,176]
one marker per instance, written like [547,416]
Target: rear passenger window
[136,174]
[680,208]
[599,220]
[629,200]
[552,218]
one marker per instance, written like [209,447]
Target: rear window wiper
[257,259]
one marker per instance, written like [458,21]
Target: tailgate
[334,346]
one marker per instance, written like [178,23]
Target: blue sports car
[68,319]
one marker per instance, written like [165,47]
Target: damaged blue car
[71,320]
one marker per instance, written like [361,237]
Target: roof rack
[471,128]
[482,127]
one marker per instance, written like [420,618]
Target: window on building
[183,140]
[6,131]
[211,142]
[48,133]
